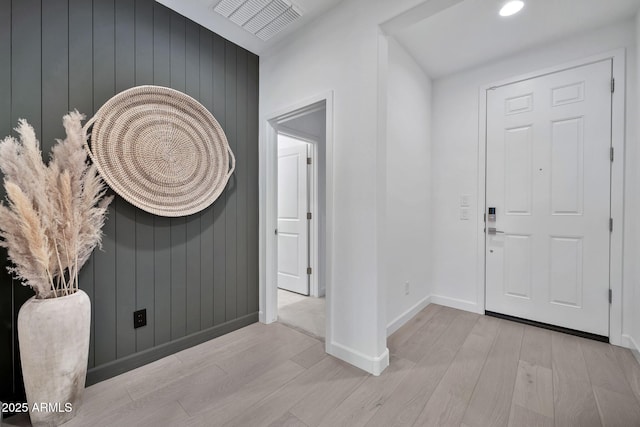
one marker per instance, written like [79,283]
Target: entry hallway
[448,368]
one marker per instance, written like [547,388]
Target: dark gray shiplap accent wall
[196,276]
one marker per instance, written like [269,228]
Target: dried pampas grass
[54,216]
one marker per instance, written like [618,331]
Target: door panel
[293,230]
[517,266]
[548,176]
[518,149]
[567,166]
[565,283]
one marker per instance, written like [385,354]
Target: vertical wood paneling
[241,182]
[125,213]
[206,219]
[55,70]
[105,260]
[252,183]
[26,64]
[145,277]
[125,277]
[178,225]
[192,59]
[189,273]
[26,102]
[162,226]
[125,52]
[193,305]
[230,191]
[219,211]
[81,98]
[5,70]
[6,313]
[193,285]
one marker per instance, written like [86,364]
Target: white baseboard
[399,321]
[373,365]
[631,344]
[456,303]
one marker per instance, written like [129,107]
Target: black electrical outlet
[140,318]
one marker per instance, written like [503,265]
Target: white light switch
[465,201]
[464,214]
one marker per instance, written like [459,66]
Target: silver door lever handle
[493,231]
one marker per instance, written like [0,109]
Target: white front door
[293,228]
[548,178]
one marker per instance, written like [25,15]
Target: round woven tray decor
[161,150]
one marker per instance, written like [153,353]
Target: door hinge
[612,154]
[610,296]
[276,232]
[308,215]
[611,225]
[309,270]
[613,85]
[308,160]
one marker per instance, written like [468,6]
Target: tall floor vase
[54,350]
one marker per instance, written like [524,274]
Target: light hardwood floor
[300,312]
[448,368]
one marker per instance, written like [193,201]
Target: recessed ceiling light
[511,7]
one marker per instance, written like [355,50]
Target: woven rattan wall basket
[161,150]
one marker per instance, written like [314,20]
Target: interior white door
[293,228]
[548,176]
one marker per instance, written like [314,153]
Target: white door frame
[617,180]
[269,206]
[312,184]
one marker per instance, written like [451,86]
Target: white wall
[455,157]
[339,53]
[634,209]
[408,212]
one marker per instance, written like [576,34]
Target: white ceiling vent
[263,18]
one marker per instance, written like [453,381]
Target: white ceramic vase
[54,350]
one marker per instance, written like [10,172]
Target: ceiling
[472,33]
[201,11]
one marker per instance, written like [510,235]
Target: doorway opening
[298,197]
[301,302]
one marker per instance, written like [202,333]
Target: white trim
[482,200]
[616,254]
[268,207]
[617,179]
[403,318]
[456,303]
[631,344]
[314,231]
[373,365]
[379,287]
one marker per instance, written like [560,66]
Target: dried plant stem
[76,271]
[64,281]
[66,250]
[55,294]
[56,211]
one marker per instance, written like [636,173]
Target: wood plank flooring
[448,368]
